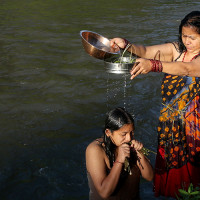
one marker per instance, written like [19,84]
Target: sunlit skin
[97,162]
[191,40]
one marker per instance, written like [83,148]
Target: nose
[187,40]
[128,137]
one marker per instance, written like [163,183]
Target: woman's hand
[123,152]
[142,66]
[117,43]
[136,145]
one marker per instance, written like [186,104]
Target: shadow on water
[54,96]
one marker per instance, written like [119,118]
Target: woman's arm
[183,68]
[175,68]
[97,168]
[145,167]
[163,52]
[143,163]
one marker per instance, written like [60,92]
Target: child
[107,156]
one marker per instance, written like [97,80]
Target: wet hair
[115,119]
[192,19]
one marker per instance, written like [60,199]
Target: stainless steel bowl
[97,46]
[122,67]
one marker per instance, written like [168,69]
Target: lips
[188,48]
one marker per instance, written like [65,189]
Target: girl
[106,158]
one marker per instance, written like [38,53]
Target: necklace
[192,58]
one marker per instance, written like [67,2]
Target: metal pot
[123,66]
[97,46]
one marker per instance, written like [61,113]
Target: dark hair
[115,119]
[191,19]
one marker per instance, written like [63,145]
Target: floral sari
[178,135]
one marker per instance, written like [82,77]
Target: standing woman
[178,156]
[105,160]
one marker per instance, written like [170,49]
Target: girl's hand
[136,145]
[142,66]
[123,152]
[117,43]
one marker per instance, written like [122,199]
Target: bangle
[116,161]
[156,65]
[126,43]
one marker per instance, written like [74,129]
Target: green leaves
[146,151]
[191,194]
[127,166]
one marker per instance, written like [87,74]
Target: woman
[178,157]
[105,160]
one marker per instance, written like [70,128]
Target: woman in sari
[178,155]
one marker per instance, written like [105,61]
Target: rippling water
[53,96]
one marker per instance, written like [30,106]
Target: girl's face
[191,39]
[123,135]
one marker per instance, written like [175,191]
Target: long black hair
[115,119]
[191,19]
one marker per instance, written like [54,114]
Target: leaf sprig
[191,194]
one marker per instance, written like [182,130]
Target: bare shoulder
[173,49]
[171,46]
[95,156]
[175,45]
[163,52]
[94,147]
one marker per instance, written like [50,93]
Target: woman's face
[191,39]
[123,135]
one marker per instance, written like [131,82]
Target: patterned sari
[178,157]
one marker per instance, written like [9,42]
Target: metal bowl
[124,66]
[97,46]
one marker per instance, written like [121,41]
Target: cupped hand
[123,152]
[141,66]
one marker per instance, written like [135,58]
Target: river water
[54,96]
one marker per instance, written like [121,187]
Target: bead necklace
[192,58]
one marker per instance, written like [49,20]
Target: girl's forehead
[127,127]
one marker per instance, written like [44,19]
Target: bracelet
[156,65]
[116,161]
[126,43]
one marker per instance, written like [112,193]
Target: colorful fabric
[179,122]
[178,135]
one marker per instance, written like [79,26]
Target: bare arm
[183,68]
[175,68]
[97,167]
[167,52]
[163,52]
[143,163]
[145,167]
